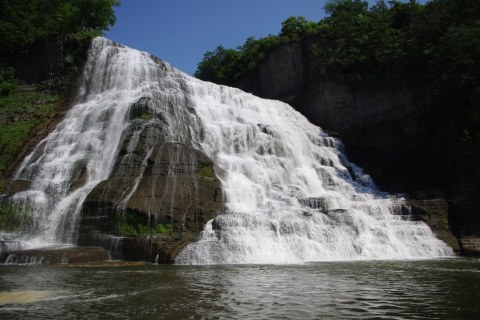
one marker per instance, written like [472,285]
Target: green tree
[16,29]
[294,27]
[345,8]
[23,22]
[348,44]
[224,66]
[218,66]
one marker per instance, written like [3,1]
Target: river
[429,289]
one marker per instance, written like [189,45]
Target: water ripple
[442,289]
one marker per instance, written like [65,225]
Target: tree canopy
[23,22]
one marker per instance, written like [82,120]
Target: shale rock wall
[157,199]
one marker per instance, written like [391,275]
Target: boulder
[434,212]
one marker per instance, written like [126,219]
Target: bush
[20,112]
[132,223]
[12,219]
[205,171]
[7,80]
[225,66]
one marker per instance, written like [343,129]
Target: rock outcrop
[282,76]
[56,256]
[434,212]
[158,198]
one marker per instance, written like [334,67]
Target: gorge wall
[390,130]
[47,73]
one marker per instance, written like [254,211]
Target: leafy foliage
[356,45]
[13,219]
[353,39]
[22,22]
[448,35]
[133,224]
[219,65]
[205,171]
[224,66]
[20,112]
[7,80]
[296,27]
[126,229]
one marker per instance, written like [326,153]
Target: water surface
[439,289]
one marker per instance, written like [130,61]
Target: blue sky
[181,31]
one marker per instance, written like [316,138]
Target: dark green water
[442,289]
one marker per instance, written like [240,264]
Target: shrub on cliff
[295,27]
[219,66]
[224,66]
[7,80]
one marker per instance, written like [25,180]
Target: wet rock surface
[434,212]
[13,186]
[471,245]
[56,256]
[158,198]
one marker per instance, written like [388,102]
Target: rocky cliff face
[282,76]
[158,198]
[52,66]
[388,130]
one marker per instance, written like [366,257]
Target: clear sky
[181,31]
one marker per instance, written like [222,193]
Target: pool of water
[436,289]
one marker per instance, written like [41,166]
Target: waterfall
[81,150]
[291,194]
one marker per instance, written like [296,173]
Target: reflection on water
[442,289]
[25,296]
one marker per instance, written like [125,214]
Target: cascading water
[291,195]
[86,140]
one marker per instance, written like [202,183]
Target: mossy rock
[130,223]
[205,171]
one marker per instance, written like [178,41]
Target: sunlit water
[436,289]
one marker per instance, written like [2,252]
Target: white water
[275,163]
[87,139]
[291,196]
